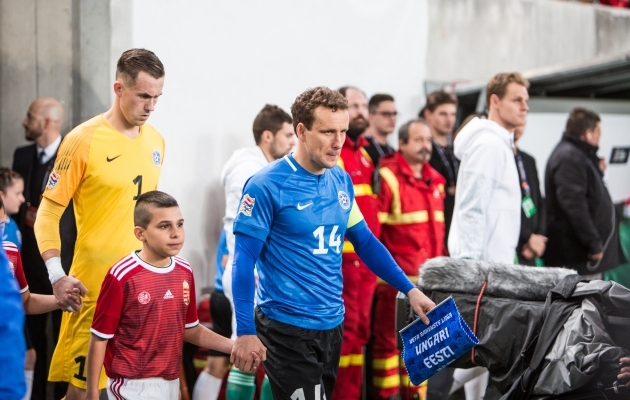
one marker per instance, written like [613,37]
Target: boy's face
[164,236]
[3,216]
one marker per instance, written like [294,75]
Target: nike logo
[301,207]
[112,159]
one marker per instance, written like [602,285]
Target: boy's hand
[248,352]
[74,295]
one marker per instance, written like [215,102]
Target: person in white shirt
[275,137]
[487,216]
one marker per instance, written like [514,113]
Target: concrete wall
[471,40]
[51,48]
[225,60]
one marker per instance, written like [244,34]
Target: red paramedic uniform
[359,282]
[411,212]
[15,260]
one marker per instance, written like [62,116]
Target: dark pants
[301,363]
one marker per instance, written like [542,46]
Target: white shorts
[142,389]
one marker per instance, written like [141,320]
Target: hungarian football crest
[186,293]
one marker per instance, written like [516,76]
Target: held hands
[69,292]
[420,304]
[248,353]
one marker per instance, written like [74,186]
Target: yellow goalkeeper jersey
[104,172]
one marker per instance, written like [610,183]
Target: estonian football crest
[247,205]
[344,200]
[52,180]
[186,293]
[157,158]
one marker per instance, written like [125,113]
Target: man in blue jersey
[292,218]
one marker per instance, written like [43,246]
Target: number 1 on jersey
[138,181]
[334,241]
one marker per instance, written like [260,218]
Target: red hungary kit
[143,311]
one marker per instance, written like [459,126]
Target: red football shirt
[16,264]
[143,311]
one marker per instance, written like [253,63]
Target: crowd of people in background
[470,194]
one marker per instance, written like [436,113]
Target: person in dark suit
[532,240]
[34,162]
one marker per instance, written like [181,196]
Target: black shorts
[301,363]
[27,338]
[221,313]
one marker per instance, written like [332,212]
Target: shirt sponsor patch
[344,200]
[52,180]
[247,205]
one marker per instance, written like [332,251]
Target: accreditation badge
[528,206]
[428,349]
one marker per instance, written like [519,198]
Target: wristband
[55,270]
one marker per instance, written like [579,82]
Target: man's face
[418,148]
[164,236]
[137,101]
[512,108]
[358,113]
[383,118]
[593,136]
[33,123]
[283,141]
[518,132]
[442,119]
[324,140]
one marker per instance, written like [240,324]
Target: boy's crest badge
[344,200]
[247,205]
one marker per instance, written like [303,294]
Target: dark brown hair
[378,99]
[499,83]
[142,212]
[270,118]
[580,120]
[7,178]
[303,108]
[437,98]
[134,61]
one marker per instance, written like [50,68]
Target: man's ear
[118,88]
[138,231]
[300,132]
[267,136]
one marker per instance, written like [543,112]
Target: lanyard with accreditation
[526,203]
[429,348]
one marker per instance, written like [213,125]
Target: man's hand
[420,304]
[537,244]
[63,289]
[527,252]
[244,353]
[624,371]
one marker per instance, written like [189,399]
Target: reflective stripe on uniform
[386,382]
[384,364]
[412,278]
[362,189]
[397,217]
[348,247]
[392,182]
[351,360]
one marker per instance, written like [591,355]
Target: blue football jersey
[302,219]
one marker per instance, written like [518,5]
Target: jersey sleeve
[355,219]
[255,211]
[192,319]
[108,308]
[69,169]
[15,261]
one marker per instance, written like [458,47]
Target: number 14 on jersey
[333,242]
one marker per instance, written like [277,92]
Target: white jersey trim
[290,163]
[101,334]
[153,268]
[24,289]
[192,324]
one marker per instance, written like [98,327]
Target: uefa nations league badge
[428,349]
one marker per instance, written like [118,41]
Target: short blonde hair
[499,83]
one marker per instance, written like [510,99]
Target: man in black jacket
[532,240]
[34,162]
[582,227]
